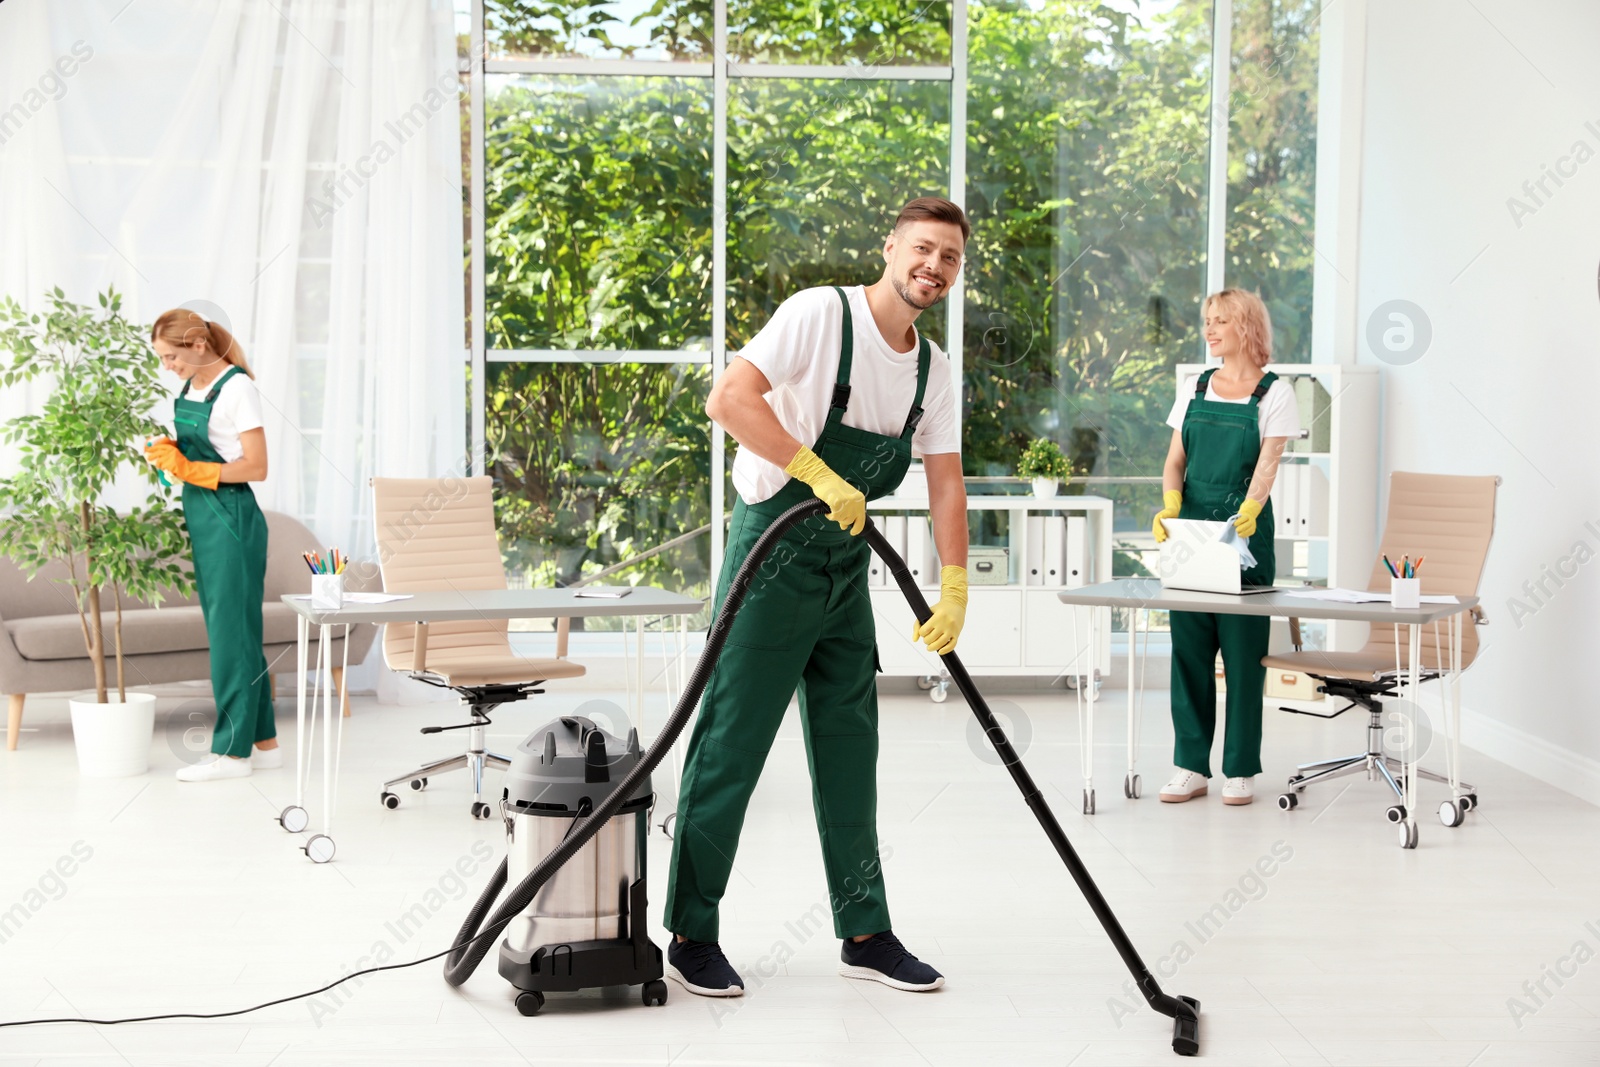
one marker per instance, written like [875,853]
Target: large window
[654,177]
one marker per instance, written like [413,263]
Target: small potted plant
[90,429]
[1045,465]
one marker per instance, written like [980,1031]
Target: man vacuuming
[827,401]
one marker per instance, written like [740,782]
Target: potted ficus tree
[91,428]
[1044,464]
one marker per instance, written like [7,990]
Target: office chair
[1448,519]
[439,533]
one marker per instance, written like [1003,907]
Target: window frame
[722,71]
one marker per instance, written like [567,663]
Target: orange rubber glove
[1173,503]
[1245,522]
[943,627]
[165,455]
[847,504]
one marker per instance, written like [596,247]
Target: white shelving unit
[1013,630]
[1343,554]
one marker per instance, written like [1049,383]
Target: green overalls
[1222,442]
[806,623]
[229,535]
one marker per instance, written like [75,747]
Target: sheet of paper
[603,592]
[1363,596]
[1339,596]
[361,598]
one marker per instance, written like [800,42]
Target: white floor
[1352,951]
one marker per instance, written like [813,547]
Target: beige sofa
[41,646]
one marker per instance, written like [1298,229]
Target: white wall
[1464,103]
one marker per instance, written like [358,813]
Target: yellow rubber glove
[847,504]
[1173,501]
[1245,523]
[166,456]
[943,627]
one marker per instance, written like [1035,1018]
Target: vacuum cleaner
[576,805]
[586,926]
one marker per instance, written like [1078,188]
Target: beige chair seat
[1367,665]
[472,667]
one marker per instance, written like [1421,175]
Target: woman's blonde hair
[1249,314]
[180,326]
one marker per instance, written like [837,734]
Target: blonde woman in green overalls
[1228,435]
[220,449]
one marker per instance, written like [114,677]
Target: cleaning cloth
[1232,538]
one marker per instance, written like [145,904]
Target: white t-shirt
[1279,415]
[238,408]
[798,351]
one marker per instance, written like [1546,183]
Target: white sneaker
[1185,785]
[266,759]
[1238,791]
[217,767]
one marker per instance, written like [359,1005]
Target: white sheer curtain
[293,168]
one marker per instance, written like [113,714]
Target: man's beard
[908,293]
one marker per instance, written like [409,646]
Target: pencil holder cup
[1405,593]
[327,592]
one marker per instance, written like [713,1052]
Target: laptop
[1193,557]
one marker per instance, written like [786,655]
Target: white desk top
[997,502]
[455,605]
[1148,593]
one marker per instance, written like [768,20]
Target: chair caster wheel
[939,693]
[654,993]
[1396,814]
[1408,835]
[480,809]
[1131,787]
[319,849]
[389,800]
[1088,801]
[1297,783]
[1470,800]
[926,682]
[1453,812]
[529,1001]
[419,784]
[1288,801]
[669,824]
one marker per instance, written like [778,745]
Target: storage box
[988,565]
[1291,685]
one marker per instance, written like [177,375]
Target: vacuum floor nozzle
[1186,1030]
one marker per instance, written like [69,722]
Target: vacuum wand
[1184,1011]
[471,944]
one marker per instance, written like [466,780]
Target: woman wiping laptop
[1229,427]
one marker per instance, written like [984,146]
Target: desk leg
[638,664]
[293,818]
[1408,771]
[1456,627]
[1131,786]
[319,848]
[1085,704]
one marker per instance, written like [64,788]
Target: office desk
[445,606]
[1142,595]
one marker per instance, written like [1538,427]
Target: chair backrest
[438,533]
[1448,519]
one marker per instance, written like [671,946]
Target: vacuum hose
[470,948]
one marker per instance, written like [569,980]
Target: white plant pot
[113,740]
[1045,488]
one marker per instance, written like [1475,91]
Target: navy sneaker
[882,958]
[700,967]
